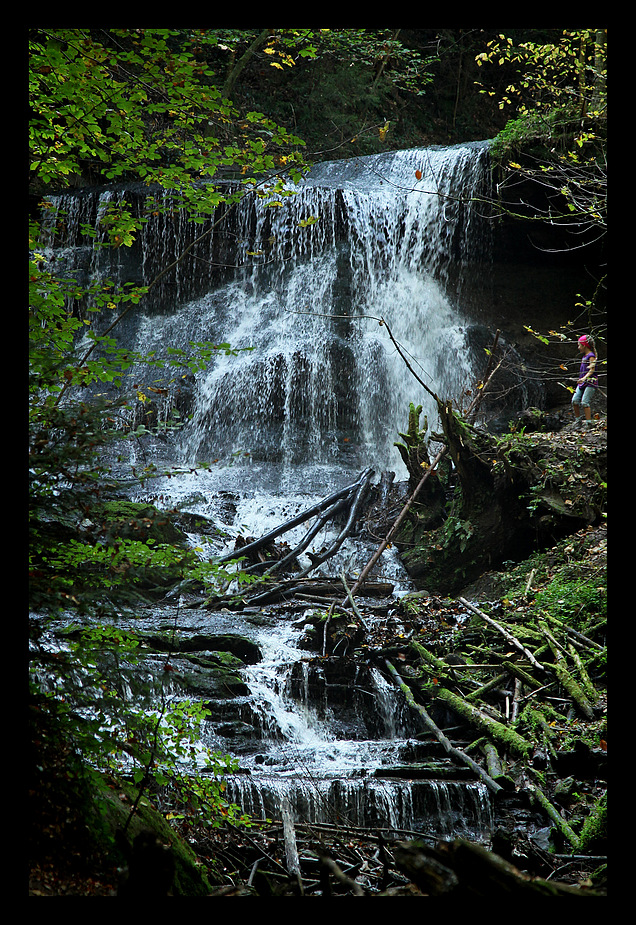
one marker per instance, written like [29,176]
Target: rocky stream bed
[499,689]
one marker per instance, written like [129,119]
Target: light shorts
[584,395]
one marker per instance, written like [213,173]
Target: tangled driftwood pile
[513,694]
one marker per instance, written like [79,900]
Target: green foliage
[566,70]
[558,104]
[414,438]
[141,104]
[457,531]
[380,51]
[133,105]
[573,599]
[346,87]
[119,105]
[529,132]
[86,684]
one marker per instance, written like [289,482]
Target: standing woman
[587,384]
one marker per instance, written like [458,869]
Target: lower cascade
[334,743]
[432,808]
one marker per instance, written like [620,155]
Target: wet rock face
[240,646]
[206,678]
[345,692]
[203,665]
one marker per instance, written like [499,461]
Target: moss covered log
[505,735]
[450,749]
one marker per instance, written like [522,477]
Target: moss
[75,808]
[503,734]
[115,805]
[573,599]
[594,831]
[218,660]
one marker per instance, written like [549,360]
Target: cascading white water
[323,383]
[323,393]
[303,758]
[301,287]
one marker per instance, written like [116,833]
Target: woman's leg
[586,402]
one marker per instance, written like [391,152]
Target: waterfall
[299,285]
[437,808]
[323,381]
[303,288]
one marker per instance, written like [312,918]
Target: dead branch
[294,522]
[504,632]
[372,561]
[361,489]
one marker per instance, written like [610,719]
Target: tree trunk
[237,68]
[491,727]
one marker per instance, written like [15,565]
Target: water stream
[316,393]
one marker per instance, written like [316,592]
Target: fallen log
[329,866]
[439,735]
[586,681]
[334,585]
[440,666]
[298,519]
[485,688]
[442,669]
[464,708]
[357,499]
[316,588]
[554,815]
[353,603]
[494,766]
[464,869]
[516,700]
[328,515]
[570,684]
[492,727]
[575,634]
[521,674]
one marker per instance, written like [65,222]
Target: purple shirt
[583,371]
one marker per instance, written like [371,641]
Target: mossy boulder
[241,647]
[204,678]
[115,804]
[76,818]
[209,664]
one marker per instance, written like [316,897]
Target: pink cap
[583,339]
